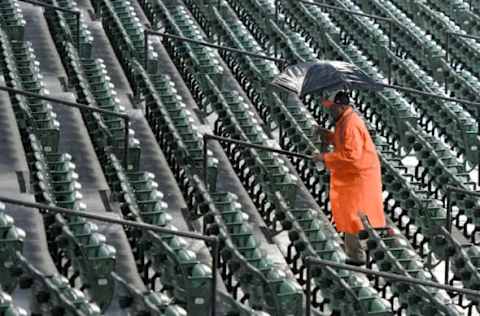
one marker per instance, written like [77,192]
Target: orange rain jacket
[355,176]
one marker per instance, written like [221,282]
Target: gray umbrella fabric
[313,77]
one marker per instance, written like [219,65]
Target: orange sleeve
[350,153]
[330,137]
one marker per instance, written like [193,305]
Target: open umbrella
[307,78]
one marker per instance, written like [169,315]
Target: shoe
[355,262]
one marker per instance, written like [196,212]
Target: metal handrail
[214,241]
[310,261]
[436,96]
[428,94]
[84,107]
[146,32]
[208,137]
[447,40]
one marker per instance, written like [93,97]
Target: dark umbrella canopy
[307,78]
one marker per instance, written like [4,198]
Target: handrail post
[447,45]
[215,260]
[276,11]
[447,48]
[206,138]
[390,47]
[449,229]
[125,144]
[478,147]
[145,48]
[308,290]
[78,30]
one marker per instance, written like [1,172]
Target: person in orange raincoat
[355,175]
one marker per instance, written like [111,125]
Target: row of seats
[464,258]
[267,286]
[296,42]
[390,251]
[130,25]
[203,61]
[437,24]
[183,137]
[12,19]
[90,256]
[52,294]
[55,183]
[241,65]
[11,241]
[28,76]
[269,33]
[22,72]
[48,292]
[67,25]
[150,303]
[181,274]
[458,11]
[94,87]
[461,82]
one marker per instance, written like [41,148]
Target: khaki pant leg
[354,248]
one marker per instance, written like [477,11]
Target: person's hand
[322,132]
[317,156]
